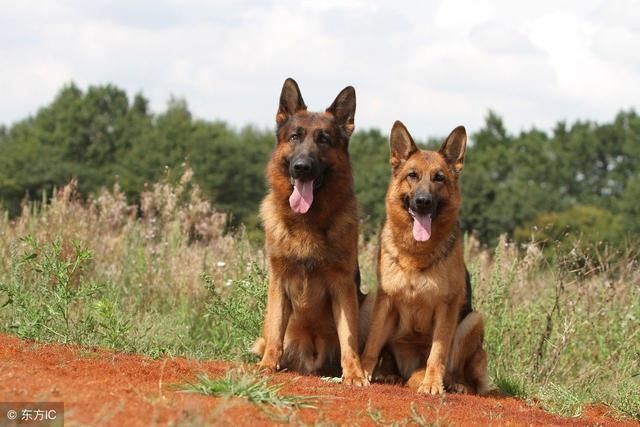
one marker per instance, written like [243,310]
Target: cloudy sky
[432,64]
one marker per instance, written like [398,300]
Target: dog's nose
[423,201]
[302,166]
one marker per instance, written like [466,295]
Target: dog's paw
[433,381]
[270,360]
[390,379]
[267,368]
[368,375]
[458,388]
[268,365]
[359,381]
[431,386]
[368,366]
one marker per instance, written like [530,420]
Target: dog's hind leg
[467,364]
[408,357]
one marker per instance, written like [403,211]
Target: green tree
[231,167]
[581,225]
[100,137]
[369,151]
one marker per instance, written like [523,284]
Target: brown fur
[312,303]
[422,289]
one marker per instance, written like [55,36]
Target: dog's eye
[295,138]
[438,177]
[324,139]
[412,175]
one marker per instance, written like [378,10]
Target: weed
[111,324]
[237,310]
[560,400]
[374,413]
[254,388]
[510,386]
[47,293]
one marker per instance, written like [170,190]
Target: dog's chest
[297,242]
[412,287]
[416,324]
[306,292]
[415,295]
[415,298]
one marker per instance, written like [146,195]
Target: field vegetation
[138,231]
[165,278]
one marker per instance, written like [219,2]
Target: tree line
[580,181]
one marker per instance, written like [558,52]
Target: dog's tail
[467,361]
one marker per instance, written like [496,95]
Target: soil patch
[99,387]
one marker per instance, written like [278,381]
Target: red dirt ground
[99,387]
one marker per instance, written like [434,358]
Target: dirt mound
[99,387]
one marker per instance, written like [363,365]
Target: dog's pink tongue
[421,227]
[302,196]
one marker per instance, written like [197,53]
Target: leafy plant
[248,385]
[47,291]
[111,324]
[237,310]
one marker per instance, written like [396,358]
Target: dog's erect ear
[401,143]
[344,109]
[290,101]
[453,148]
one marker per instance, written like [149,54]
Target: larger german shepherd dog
[311,227]
[422,309]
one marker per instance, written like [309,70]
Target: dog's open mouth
[421,226]
[301,196]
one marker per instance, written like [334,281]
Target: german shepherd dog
[310,219]
[422,307]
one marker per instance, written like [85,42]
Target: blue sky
[431,64]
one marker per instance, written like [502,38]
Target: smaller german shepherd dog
[422,309]
[310,219]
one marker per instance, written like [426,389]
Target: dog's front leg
[382,323]
[344,304]
[443,331]
[275,322]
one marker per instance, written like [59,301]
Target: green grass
[56,312]
[561,330]
[92,274]
[414,417]
[253,387]
[52,297]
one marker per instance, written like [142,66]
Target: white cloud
[458,16]
[433,64]
[620,46]
[618,12]
[499,38]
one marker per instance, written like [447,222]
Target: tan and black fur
[311,323]
[421,312]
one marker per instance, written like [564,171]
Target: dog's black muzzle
[424,203]
[305,168]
